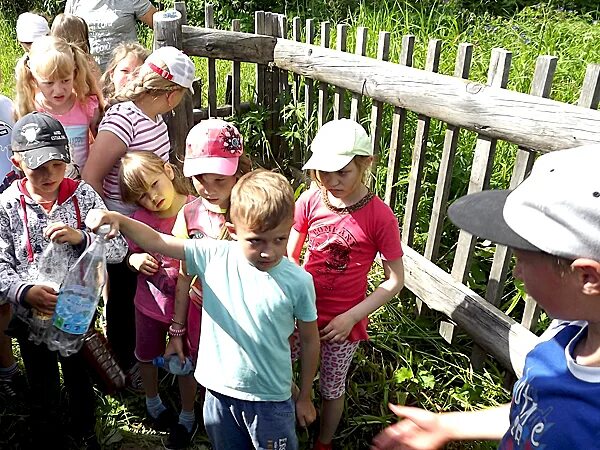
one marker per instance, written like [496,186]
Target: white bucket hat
[336,144]
[180,68]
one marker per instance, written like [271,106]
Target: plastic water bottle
[52,269]
[78,298]
[173,365]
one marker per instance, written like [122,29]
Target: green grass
[406,360]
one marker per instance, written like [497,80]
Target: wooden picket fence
[303,72]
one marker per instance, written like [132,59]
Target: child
[9,372]
[251,296]
[134,124]
[215,160]
[122,68]
[74,30]
[155,186]
[346,225]
[31,26]
[54,77]
[44,206]
[552,222]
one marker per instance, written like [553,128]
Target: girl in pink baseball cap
[215,160]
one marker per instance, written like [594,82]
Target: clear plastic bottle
[173,365]
[78,298]
[52,269]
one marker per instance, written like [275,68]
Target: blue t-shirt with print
[556,403]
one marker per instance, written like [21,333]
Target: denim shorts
[234,424]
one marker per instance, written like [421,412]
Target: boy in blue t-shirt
[552,222]
[252,299]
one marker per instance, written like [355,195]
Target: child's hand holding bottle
[97,217]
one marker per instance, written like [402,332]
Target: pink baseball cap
[212,146]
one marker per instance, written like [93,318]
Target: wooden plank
[222,111]
[534,122]
[434,49]
[340,45]
[505,339]
[270,94]
[296,36]
[462,68]
[180,7]
[167,32]
[397,138]
[590,91]
[209,22]
[383,53]
[197,95]
[360,50]
[481,169]
[323,88]
[259,28]
[235,76]
[282,31]
[541,86]
[309,85]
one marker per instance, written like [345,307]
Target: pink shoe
[320,446]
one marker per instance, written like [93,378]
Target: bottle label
[75,309]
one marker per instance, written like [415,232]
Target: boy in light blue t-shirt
[252,299]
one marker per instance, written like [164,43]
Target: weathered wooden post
[167,32]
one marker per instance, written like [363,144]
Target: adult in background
[111,22]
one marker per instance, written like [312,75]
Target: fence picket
[481,169]
[590,91]
[235,78]
[323,87]
[397,137]
[338,98]
[361,50]
[418,156]
[259,28]
[383,53]
[309,84]
[209,22]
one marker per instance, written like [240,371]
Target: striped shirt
[139,133]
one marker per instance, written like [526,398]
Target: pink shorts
[335,363]
[150,337]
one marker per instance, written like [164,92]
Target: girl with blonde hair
[135,123]
[73,29]
[122,68]
[160,191]
[55,78]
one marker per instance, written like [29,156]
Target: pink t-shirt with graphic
[155,294]
[76,123]
[341,250]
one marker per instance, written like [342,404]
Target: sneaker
[7,391]
[179,437]
[165,421]
[133,380]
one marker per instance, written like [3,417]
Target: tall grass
[406,360]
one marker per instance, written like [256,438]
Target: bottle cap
[103,230]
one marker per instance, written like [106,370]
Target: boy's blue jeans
[234,424]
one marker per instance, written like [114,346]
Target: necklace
[347,209]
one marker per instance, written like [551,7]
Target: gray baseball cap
[40,138]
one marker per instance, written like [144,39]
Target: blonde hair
[362,162]
[53,58]
[72,29]
[134,171]
[262,200]
[146,82]
[119,53]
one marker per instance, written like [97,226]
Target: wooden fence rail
[532,121]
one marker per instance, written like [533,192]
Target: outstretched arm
[424,430]
[140,233]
